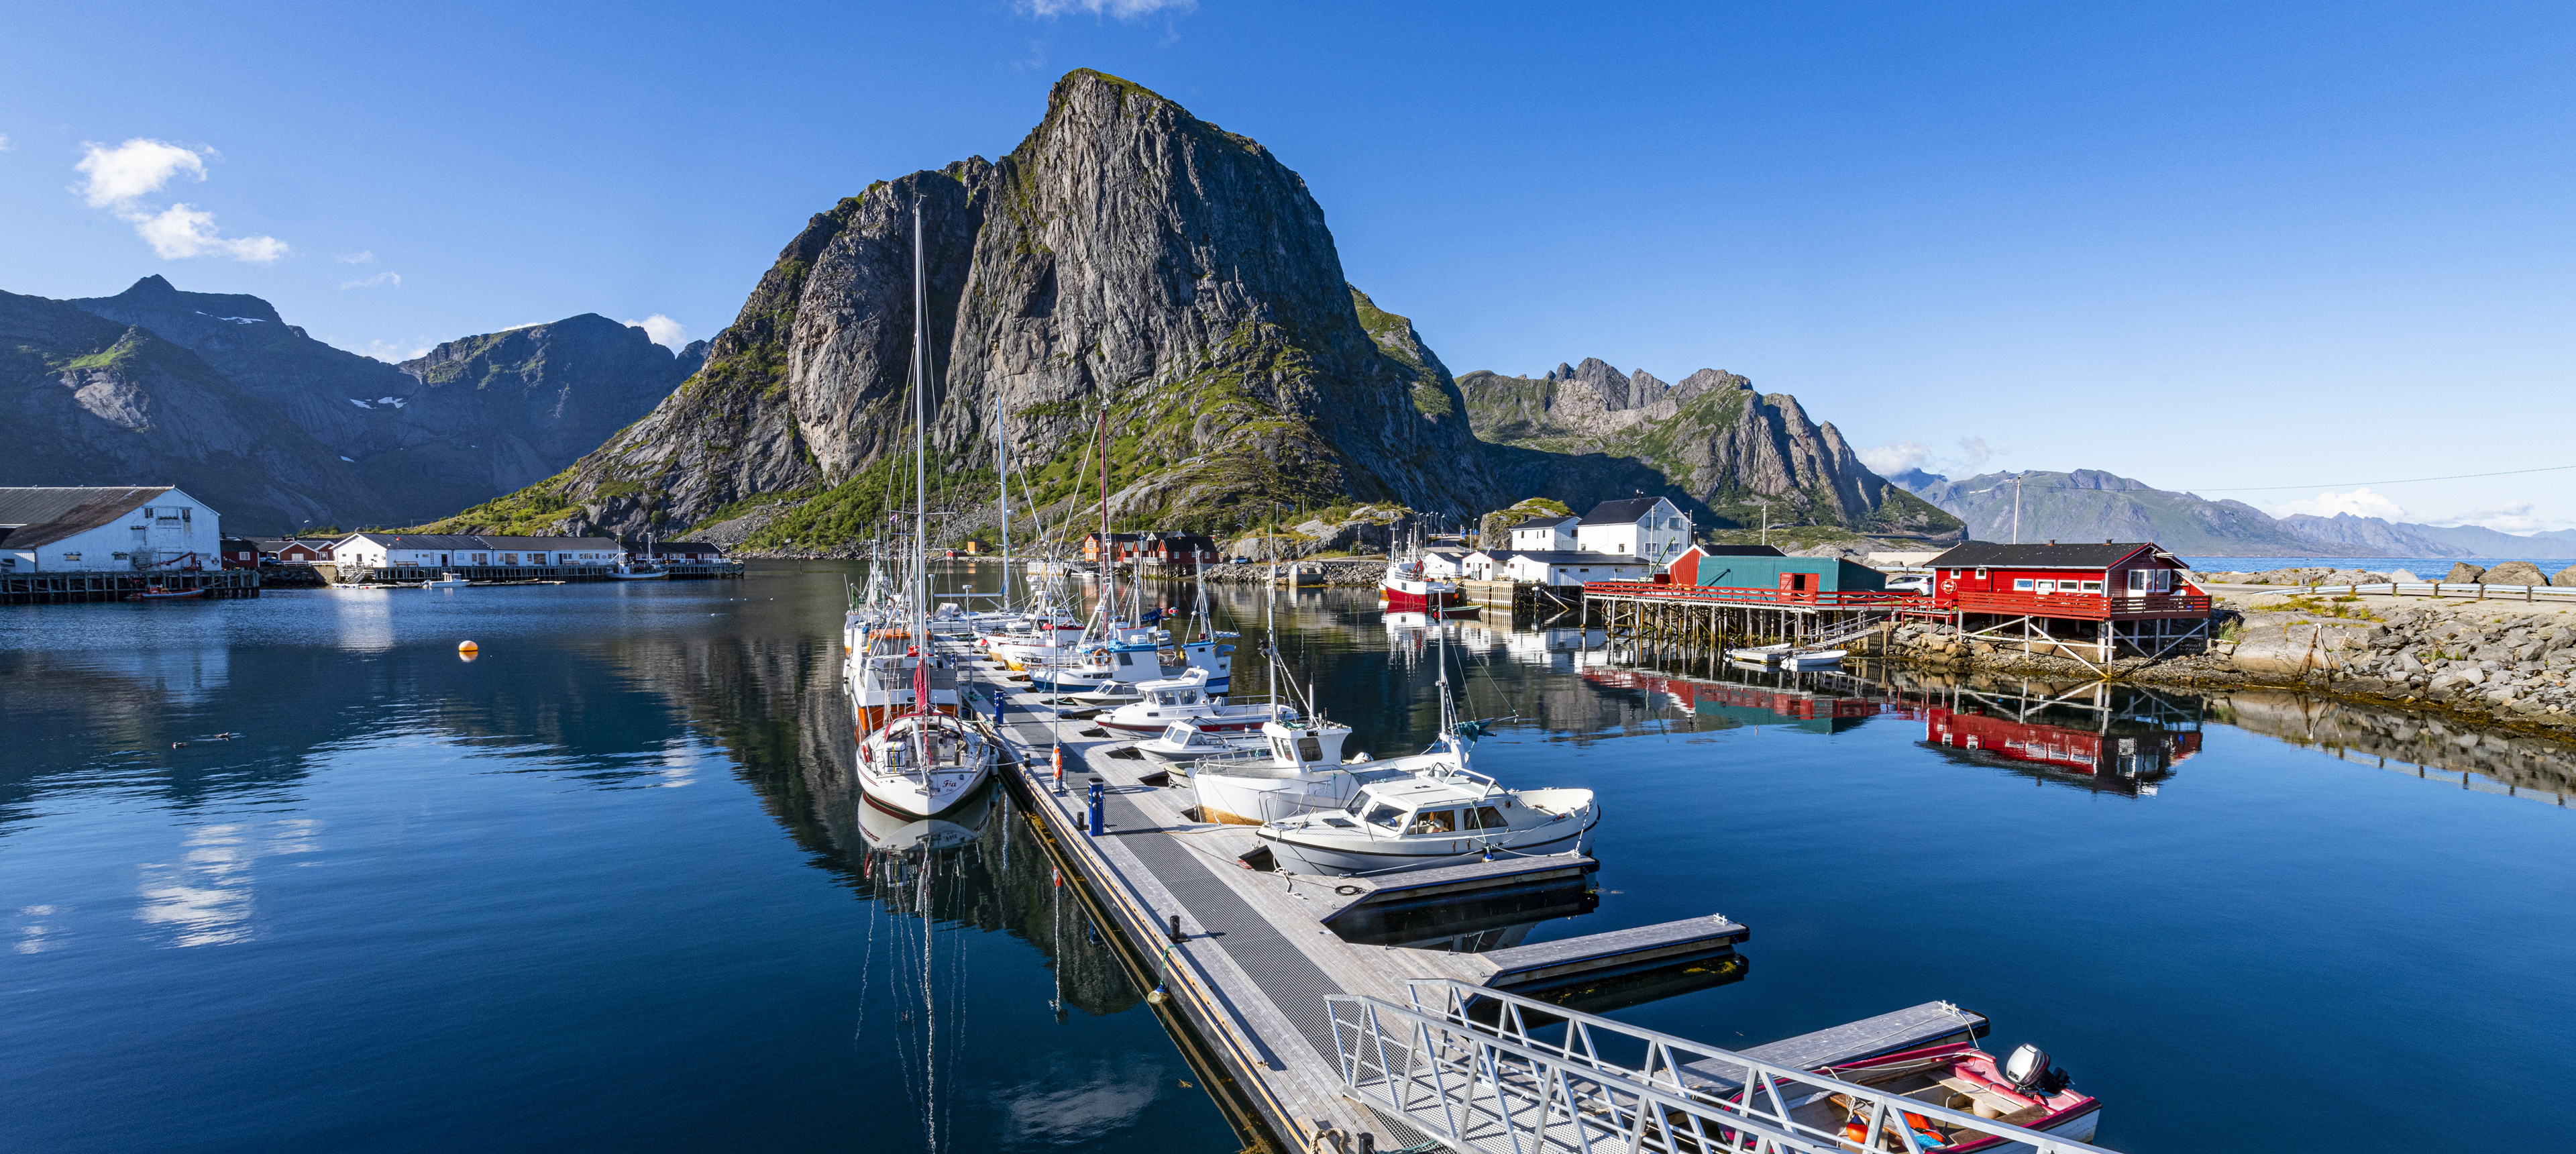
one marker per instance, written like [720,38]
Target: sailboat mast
[1108,548]
[920,453]
[1002,479]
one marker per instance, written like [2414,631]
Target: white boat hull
[1362,855]
[1234,799]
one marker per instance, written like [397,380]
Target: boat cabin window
[1279,748]
[1436,821]
[1126,659]
[1310,749]
[1487,817]
[1178,734]
[1386,815]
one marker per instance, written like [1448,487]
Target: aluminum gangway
[1498,1086]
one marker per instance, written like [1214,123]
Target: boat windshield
[1386,815]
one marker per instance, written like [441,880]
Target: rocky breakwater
[2493,661]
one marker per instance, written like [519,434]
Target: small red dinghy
[160,593]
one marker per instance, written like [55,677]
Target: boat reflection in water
[957,827]
[1504,918]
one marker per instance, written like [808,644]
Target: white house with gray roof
[152,528]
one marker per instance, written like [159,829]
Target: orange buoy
[467,647]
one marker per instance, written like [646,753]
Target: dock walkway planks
[1257,960]
[1887,1033]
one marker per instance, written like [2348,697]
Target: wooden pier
[78,587]
[1245,960]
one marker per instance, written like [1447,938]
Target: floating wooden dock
[1246,959]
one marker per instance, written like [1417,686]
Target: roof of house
[692,546]
[42,516]
[1620,512]
[1739,550]
[1545,521]
[1449,554]
[1582,557]
[2084,555]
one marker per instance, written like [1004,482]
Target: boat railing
[1476,1068]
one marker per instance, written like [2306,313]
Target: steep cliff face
[1711,437]
[1127,256]
[90,401]
[477,417]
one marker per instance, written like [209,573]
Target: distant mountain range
[1712,437]
[216,393]
[2091,505]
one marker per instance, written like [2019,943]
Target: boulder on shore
[2403,577]
[2565,577]
[2515,573]
[2466,574]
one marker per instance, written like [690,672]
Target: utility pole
[2016,510]
[1765,502]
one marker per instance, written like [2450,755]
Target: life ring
[1949,584]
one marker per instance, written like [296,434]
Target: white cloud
[1974,453]
[360,257]
[117,178]
[181,231]
[132,169]
[2512,518]
[393,279]
[2360,502]
[1122,9]
[4,142]
[396,351]
[664,331]
[1895,457]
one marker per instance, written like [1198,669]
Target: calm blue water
[604,888]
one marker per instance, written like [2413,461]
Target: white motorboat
[1761,655]
[1160,703]
[1432,818]
[1813,659]
[1295,768]
[1183,741]
[446,581]
[637,573]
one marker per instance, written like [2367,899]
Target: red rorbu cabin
[2115,598]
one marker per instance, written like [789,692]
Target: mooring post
[1099,825]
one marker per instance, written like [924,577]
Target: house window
[2137,580]
[2092,586]
[118,556]
[1981,572]
[71,556]
[482,559]
[2022,584]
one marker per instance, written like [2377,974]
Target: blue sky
[2212,247]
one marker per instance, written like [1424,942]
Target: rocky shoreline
[2492,663]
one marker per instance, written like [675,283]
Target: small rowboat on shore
[160,593]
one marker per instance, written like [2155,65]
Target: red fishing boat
[2021,1090]
[1407,590]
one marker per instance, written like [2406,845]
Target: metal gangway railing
[1498,1087]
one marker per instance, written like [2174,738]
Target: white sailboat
[921,762]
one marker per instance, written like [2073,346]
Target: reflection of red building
[1753,704]
[2113,758]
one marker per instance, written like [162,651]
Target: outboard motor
[2029,1072]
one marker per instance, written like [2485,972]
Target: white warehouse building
[451,550]
[153,528]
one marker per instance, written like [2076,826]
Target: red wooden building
[2114,598]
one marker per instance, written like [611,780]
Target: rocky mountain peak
[1126,256]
